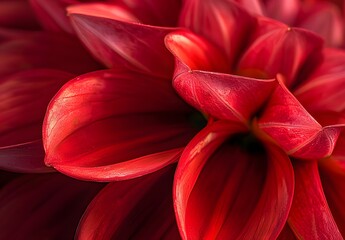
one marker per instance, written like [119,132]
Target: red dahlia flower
[269,164]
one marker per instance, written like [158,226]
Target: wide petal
[218,21]
[123,44]
[324,89]
[106,122]
[290,125]
[310,216]
[223,192]
[140,208]
[284,51]
[43,206]
[255,7]
[285,10]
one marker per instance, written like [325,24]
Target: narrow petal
[43,206]
[223,192]
[52,15]
[324,89]
[310,216]
[122,119]
[218,21]
[123,44]
[289,124]
[283,51]
[140,208]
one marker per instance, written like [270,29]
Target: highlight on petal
[218,21]
[52,15]
[140,208]
[123,44]
[285,10]
[43,206]
[324,89]
[222,191]
[294,129]
[24,98]
[222,96]
[310,216]
[254,7]
[106,122]
[284,51]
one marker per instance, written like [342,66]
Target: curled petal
[324,88]
[223,192]
[124,120]
[140,208]
[284,50]
[123,44]
[223,96]
[43,206]
[218,21]
[310,216]
[295,130]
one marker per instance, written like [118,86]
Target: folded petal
[123,44]
[323,90]
[140,208]
[45,50]
[27,94]
[289,124]
[224,23]
[43,206]
[284,50]
[223,191]
[310,216]
[106,122]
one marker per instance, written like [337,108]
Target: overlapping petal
[43,206]
[284,50]
[140,208]
[123,44]
[115,125]
[295,129]
[218,21]
[24,98]
[324,89]
[223,192]
[310,216]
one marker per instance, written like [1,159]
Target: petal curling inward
[43,206]
[120,44]
[289,124]
[223,96]
[310,216]
[218,21]
[324,89]
[140,208]
[228,193]
[283,51]
[100,123]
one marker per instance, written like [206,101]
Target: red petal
[252,6]
[120,44]
[294,129]
[332,173]
[218,21]
[119,118]
[324,90]
[282,50]
[285,10]
[223,96]
[287,233]
[43,206]
[310,217]
[52,15]
[140,208]
[226,193]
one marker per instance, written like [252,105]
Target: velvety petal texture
[111,125]
[43,206]
[221,191]
[289,124]
[140,208]
[310,216]
[123,44]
